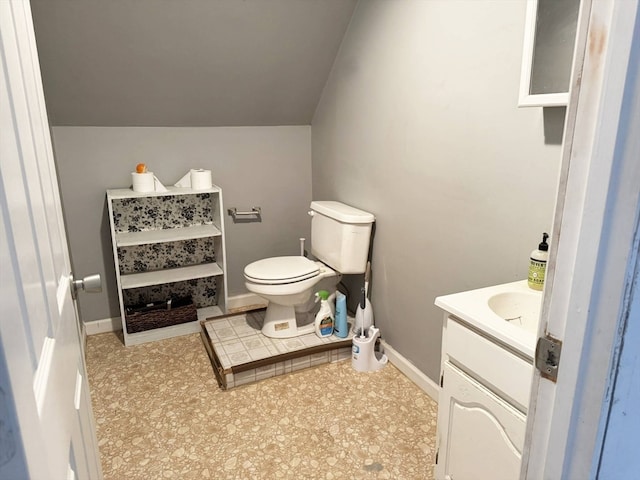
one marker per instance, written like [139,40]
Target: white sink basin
[508,312]
[518,308]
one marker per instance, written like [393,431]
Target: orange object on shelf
[141,168]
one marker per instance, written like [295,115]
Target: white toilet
[340,237]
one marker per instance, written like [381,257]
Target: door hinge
[548,357]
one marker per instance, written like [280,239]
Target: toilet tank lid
[341,212]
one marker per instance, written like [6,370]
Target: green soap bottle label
[536,274]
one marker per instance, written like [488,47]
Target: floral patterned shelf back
[165,212]
[162,212]
[160,256]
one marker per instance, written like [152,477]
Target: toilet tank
[340,235]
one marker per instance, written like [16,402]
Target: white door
[46,424]
[594,246]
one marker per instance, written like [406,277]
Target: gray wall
[268,167]
[187,62]
[418,124]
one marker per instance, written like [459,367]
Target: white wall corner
[425,383]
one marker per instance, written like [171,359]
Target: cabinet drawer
[491,364]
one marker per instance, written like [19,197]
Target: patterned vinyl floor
[160,414]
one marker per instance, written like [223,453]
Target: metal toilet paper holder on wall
[253,215]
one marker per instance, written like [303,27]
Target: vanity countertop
[473,308]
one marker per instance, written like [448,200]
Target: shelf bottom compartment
[203,291]
[162,323]
[173,330]
[161,317]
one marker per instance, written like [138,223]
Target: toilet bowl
[340,236]
[289,284]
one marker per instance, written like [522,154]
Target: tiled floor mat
[241,354]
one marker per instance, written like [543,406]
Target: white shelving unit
[146,279]
[168,244]
[125,239]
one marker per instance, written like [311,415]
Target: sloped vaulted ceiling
[186,62]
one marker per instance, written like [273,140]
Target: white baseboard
[427,385]
[94,327]
[244,300]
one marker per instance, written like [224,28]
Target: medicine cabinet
[550,33]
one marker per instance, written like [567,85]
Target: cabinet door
[481,436]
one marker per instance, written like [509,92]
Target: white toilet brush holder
[364,358]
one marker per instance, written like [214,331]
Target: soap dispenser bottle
[538,264]
[324,319]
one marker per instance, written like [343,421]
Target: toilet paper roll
[200,179]
[143,182]
[158,186]
[185,181]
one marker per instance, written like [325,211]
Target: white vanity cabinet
[168,245]
[482,405]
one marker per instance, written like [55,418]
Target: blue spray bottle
[341,328]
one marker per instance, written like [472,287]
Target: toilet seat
[281,270]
